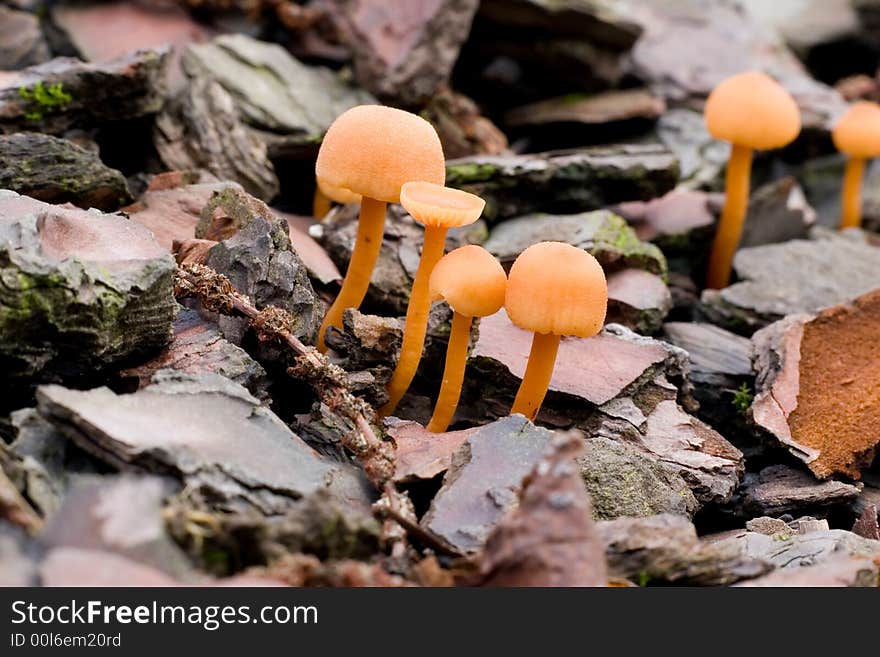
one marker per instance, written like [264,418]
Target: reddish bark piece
[199,348]
[422,454]
[192,252]
[819,382]
[103,31]
[596,369]
[550,539]
[172,211]
[866,525]
[404,51]
[674,214]
[637,299]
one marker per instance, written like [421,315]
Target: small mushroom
[553,289]
[371,151]
[856,133]
[753,112]
[438,208]
[473,283]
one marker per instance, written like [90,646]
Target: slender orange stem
[416,319]
[536,380]
[371,226]
[320,204]
[851,200]
[732,218]
[453,373]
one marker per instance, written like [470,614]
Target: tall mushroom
[438,208]
[856,133]
[753,112]
[371,151]
[553,289]
[473,283]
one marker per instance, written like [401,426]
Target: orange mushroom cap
[857,132]
[471,281]
[752,110]
[557,288]
[436,205]
[338,194]
[372,150]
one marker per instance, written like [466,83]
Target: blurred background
[494,76]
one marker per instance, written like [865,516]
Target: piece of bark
[209,432]
[272,90]
[484,480]
[605,235]
[58,171]
[83,291]
[818,385]
[836,571]
[200,129]
[79,94]
[866,526]
[404,53]
[624,480]
[15,509]
[171,205]
[665,549]
[422,455]
[463,131]
[192,252]
[550,538]
[564,181]
[198,347]
[21,40]
[308,570]
[781,279]
[778,489]
[638,300]
[797,550]
[777,212]
[121,515]
[104,31]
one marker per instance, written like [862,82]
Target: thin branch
[330,381]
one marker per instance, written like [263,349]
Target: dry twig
[217,294]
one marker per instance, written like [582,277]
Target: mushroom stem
[536,380]
[320,204]
[371,225]
[453,374]
[851,200]
[416,319]
[732,218]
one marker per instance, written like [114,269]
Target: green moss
[469,172]
[44,99]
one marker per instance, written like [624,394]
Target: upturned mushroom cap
[752,110]
[372,150]
[436,205]
[471,281]
[557,288]
[857,133]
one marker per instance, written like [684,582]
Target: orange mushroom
[857,134]
[473,283]
[553,289]
[438,208]
[753,112]
[371,150]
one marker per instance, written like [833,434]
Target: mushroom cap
[471,281]
[557,288]
[857,132]
[371,150]
[436,205]
[753,110]
[338,194]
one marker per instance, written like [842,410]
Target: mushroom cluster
[377,155]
